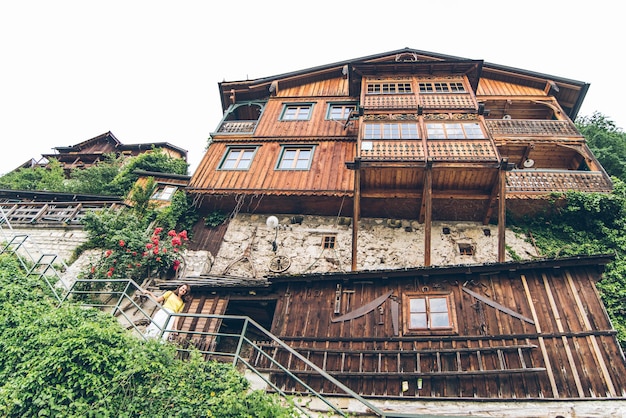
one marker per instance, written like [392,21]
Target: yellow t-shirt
[173,302]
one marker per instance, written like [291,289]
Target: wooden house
[407,139]
[88,153]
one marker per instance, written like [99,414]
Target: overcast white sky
[147,70]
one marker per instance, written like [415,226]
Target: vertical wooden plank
[546,359]
[428,213]
[502,216]
[598,354]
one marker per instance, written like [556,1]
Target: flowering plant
[138,257]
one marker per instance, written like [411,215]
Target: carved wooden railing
[561,128]
[447,101]
[546,181]
[238,127]
[437,150]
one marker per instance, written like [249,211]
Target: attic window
[442,87]
[466,249]
[328,242]
[164,192]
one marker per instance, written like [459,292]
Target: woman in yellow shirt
[172,302]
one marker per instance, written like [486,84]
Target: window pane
[409,131]
[418,305]
[418,320]
[439,320]
[303,159]
[435,131]
[454,131]
[438,305]
[391,131]
[473,130]
[372,131]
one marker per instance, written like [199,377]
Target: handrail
[111,294]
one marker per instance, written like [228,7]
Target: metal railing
[124,299]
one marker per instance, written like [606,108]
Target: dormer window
[164,192]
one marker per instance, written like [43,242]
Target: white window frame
[164,192]
[238,158]
[389,87]
[297,162]
[454,130]
[394,130]
[296,111]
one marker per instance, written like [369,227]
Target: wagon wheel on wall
[279,263]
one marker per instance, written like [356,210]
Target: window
[295,158]
[428,312]
[164,192]
[454,131]
[297,112]
[442,87]
[238,158]
[389,88]
[339,111]
[391,131]
[328,242]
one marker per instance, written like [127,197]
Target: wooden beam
[428,214]
[502,217]
[368,307]
[356,215]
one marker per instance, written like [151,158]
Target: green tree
[95,179]
[606,141]
[69,361]
[51,178]
[157,161]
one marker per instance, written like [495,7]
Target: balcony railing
[531,127]
[238,127]
[546,181]
[437,150]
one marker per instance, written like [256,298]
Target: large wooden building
[423,138]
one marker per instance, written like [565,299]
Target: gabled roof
[105,137]
[258,89]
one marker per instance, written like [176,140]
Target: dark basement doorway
[261,311]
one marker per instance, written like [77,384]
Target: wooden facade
[94,150]
[520,330]
[422,137]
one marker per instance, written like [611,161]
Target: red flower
[183,235]
[164,250]
[144,254]
[134,253]
[176,241]
[149,246]
[158,259]
[172,233]
[122,243]
[156,250]
[158,230]
[108,253]
[93,269]
[109,273]
[176,265]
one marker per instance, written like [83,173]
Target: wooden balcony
[447,101]
[546,128]
[436,150]
[547,181]
[238,127]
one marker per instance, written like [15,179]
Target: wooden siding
[327,174]
[488,87]
[537,334]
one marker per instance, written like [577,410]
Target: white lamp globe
[272,222]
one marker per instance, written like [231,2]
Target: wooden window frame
[441,87]
[299,108]
[345,109]
[329,242]
[454,130]
[387,130]
[451,328]
[389,87]
[296,159]
[242,150]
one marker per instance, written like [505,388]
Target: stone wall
[248,246]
